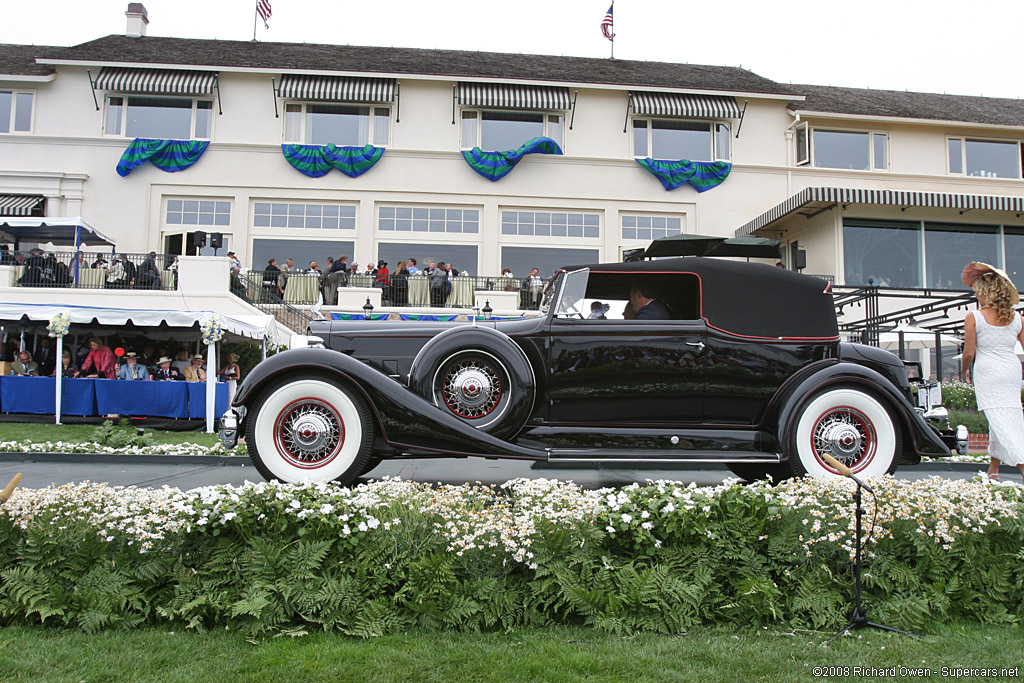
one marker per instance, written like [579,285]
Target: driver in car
[644,304]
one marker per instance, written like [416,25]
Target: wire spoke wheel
[309,432]
[847,435]
[471,388]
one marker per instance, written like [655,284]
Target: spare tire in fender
[480,376]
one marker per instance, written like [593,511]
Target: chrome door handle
[699,345]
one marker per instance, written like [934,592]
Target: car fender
[404,419]
[919,438]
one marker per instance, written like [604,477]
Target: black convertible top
[747,299]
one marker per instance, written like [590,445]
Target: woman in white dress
[990,334]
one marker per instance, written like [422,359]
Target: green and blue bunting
[167,155]
[318,160]
[496,165]
[702,175]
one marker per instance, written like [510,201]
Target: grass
[550,654]
[36,432]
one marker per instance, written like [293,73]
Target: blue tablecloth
[37,395]
[157,399]
[197,399]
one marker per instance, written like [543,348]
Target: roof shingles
[20,60]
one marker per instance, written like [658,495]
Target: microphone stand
[859,616]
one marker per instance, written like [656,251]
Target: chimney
[137,20]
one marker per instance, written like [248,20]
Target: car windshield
[571,290]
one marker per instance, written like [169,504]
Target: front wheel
[308,429]
[850,425]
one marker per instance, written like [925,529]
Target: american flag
[263,9]
[606,24]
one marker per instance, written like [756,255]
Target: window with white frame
[198,212]
[649,227]
[16,111]
[495,131]
[167,118]
[437,219]
[342,124]
[853,150]
[849,149]
[304,215]
[984,158]
[551,224]
[681,139]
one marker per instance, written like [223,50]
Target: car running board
[605,455]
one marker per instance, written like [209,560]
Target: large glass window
[850,150]
[882,253]
[428,219]
[985,158]
[166,118]
[15,111]
[463,257]
[1013,253]
[521,260]
[550,224]
[949,246]
[301,215]
[680,139]
[341,124]
[498,131]
[198,212]
[641,227]
[303,251]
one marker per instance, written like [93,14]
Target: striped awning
[19,205]
[156,81]
[505,96]
[684,106]
[337,88]
[829,196]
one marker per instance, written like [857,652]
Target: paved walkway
[186,472]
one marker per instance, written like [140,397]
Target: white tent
[254,326]
[71,231]
[914,338]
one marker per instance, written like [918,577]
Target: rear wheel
[308,429]
[849,424]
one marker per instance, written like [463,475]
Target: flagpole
[255,16]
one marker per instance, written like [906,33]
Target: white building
[902,188]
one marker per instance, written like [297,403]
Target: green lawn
[35,432]
[551,654]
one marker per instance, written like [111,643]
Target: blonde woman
[231,373]
[989,362]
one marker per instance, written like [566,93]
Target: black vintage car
[742,366]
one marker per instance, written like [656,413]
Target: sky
[963,48]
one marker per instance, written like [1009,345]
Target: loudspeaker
[216,240]
[199,239]
[801,259]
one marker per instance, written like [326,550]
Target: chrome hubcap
[309,431]
[843,436]
[471,389]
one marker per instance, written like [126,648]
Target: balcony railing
[93,271]
[304,289]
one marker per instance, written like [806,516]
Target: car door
[626,372]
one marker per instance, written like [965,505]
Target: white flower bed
[505,519]
[93,447]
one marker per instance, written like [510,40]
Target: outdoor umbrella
[914,338]
[747,246]
[682,245]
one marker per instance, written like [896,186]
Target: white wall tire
[849,424]
[309,429]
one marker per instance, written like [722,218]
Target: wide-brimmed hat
[975,269]
[197,357]
[163,359]
[131,354]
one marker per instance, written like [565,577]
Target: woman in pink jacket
[100,362]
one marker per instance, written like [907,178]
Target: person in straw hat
[195,371]
[989,362]
[165,371]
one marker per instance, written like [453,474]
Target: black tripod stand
[859,616]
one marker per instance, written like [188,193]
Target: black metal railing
[306,289]
[249,286]
[83,270]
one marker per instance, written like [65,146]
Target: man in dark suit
[645,305]
[45,357]
[165,371]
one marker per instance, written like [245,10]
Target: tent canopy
[914,338]
[253,326]
[62,231]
